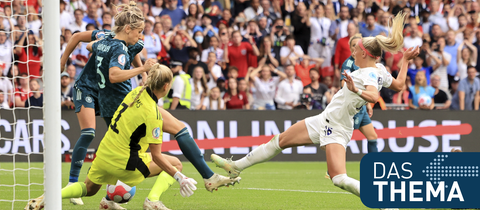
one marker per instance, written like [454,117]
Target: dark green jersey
[348,66]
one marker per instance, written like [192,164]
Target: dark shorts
[86,98]
[361,118]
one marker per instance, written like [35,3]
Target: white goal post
[52,105]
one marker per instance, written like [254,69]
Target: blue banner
[420,180]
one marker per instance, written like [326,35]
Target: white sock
[349,184]
[260,154]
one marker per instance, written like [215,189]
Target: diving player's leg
[186,143]
[336,163]
[163,182]
[369,132]
[297,135]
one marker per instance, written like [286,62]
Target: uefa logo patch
[420,180]
[121,59]
[100,35]
[156,133]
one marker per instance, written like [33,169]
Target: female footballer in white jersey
[333,128]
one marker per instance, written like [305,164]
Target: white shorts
[323,131]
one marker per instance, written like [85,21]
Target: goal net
[26,101]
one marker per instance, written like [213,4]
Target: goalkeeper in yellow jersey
[136,126]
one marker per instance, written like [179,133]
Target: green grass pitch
[271,185]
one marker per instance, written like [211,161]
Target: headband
[360,43]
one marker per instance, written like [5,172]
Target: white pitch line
[286,190]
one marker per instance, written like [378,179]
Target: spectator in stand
[440,96]
[179,50]
[66,91]
[213,101]
[402,96]
[92,15]
[437,17]
[418,63]
[467,96]
[192,27]
[342,52]
[268,13]
[420,89]
[22,90]
[266,85]
[5,53]
[213,9]
[227,19]
[6,88]
[243,86]
[157,7]
[371,28]
[107,19]
[71,70]
[29,57]
[215,71]
[439,60]
[199,86]
[3,101]
[320,46]
[193,63]
[304,65]
[451,48]
[339,27]
[175,13]
[278,35]
[253,31]
[207,27]
[78,24]
[151,40]
[34,23]
[466,57]
[289,90]
[415,37]
[340,4]
[313,104]
[290,50]
[195,12]
[301,24]
[73,5]
[233,98]
[36,98]
[267,53]
[254,10]
[238,51]
[214,46]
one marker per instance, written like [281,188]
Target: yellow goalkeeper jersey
[132,130]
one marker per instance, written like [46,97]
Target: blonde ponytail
[158,76]
[393,43]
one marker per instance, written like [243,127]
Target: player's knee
[339,180]
[92,190]
[373,136]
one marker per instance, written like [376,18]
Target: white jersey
[345,104]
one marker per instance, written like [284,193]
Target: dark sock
[372,146]
[192,153]
[79,153]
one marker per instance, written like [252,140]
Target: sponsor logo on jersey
[100,35]
[121,59]
[156,133]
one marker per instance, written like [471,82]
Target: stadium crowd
[257,54]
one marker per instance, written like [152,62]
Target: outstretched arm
[85,36]
[397,84]
[370,94]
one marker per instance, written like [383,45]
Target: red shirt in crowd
[304,73]
[236,101]
[343,51]
[396,58]
[22,93]
[29,63]
[238,56]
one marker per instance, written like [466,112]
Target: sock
[79,152]
[108,120]
[347,183]
[164,181]
[372,146]
[260,154]
[75,190]
[192,153]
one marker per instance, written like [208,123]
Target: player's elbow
[373,99]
